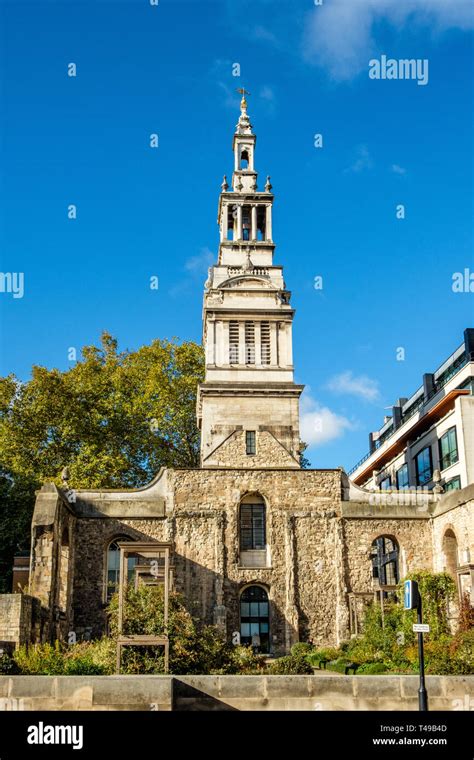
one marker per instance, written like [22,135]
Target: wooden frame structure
[154,569]
[376,595]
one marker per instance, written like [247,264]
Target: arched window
[384,557]
[450,552]
[113,567]
[252,523]
[255,618]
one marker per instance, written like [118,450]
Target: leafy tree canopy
[114,418]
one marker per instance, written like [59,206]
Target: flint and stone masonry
[249,523]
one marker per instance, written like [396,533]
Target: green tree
[114,418]
[305,464]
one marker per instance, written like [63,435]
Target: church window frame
[254,617]
[250,442]
[252,524]
[112,566]
[385,558]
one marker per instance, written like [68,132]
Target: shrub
[339,665]
[194,648]
[437,590]
[8,666]
[83,666]
[244,660]
[390,644]
[326,654]
[40,659]
[466,614]
[301,649]
[451,655]
[290,666]
[295,663]
[372,668]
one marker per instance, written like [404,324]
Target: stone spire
[247,329]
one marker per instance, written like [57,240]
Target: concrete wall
[233,692]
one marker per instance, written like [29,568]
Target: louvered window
[233,342]
[265,342]
[250,343]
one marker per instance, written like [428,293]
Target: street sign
[411,595]
[412,601]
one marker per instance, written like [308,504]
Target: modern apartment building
[431,431]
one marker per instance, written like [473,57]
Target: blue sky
[168,69]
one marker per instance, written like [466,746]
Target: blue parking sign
[410,595]
[407,595]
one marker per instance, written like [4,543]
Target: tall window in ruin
[255,618]
[265,342]
[233,342]
[113,567]
[384,557]
[252,523]
[450,553]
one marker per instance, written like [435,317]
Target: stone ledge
[395,693]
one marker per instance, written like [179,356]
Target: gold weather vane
[243,92]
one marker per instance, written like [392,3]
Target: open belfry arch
[247,329]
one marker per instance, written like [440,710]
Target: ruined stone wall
[206,536]
[454,517]
[52,560]
[202,520]
[413,537]
[318,547]
[92,539]
[20,619]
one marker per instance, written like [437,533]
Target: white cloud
[396,169]
[267,94]
[200,264]
[318,424]
[231,99]
[339,34]
[363,160]
[264,34]
[355,385]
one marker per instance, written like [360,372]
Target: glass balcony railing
[443,379]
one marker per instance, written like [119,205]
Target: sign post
[412,601]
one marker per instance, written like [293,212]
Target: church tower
[248,404]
